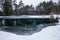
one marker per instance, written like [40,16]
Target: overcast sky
[34,2]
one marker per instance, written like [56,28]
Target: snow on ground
[29,16]
[48,33]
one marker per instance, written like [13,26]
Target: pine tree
[7,6]
[45,7]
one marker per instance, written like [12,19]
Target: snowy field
[48,33]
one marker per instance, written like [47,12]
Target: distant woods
[10,7]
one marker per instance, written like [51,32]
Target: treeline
[10,7]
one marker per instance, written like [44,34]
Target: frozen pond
[41,32]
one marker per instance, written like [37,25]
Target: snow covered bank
[29,16]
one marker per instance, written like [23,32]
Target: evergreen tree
[7,6]
[45,7]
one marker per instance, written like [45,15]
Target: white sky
[34,2]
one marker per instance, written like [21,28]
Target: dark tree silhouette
[7,6]
[45,7]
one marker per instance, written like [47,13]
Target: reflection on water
[28,29]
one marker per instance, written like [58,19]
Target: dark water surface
[28,29]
